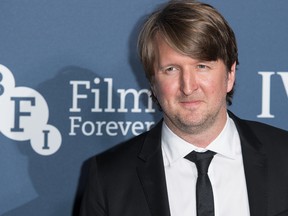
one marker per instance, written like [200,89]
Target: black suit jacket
[129,180]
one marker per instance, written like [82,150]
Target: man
[189,54]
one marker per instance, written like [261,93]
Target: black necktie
[204,192]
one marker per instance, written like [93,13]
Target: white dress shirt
[226,173]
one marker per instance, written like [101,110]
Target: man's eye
[170,69]
[201,66]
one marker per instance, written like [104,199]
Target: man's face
[191,92]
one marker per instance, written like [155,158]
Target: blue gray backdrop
[71,86]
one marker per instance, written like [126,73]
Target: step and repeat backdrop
[71,86]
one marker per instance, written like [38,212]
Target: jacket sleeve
[93,199]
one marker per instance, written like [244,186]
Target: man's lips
[191,103]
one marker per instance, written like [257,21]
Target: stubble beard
[187,125]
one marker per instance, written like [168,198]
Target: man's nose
[188,82]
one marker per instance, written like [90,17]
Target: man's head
[191,28]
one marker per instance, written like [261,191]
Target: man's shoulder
[128,151]
[127,148]
[257,126]
[267,134]
[265,129]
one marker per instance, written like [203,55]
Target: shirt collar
[176,148]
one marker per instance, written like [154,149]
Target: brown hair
[191,28]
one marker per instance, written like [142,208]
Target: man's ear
[231,77]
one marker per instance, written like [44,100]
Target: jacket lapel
[255,166]
[152,175]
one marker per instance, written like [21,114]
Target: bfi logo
[266,91]
[24,115]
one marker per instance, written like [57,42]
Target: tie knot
[201,159]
